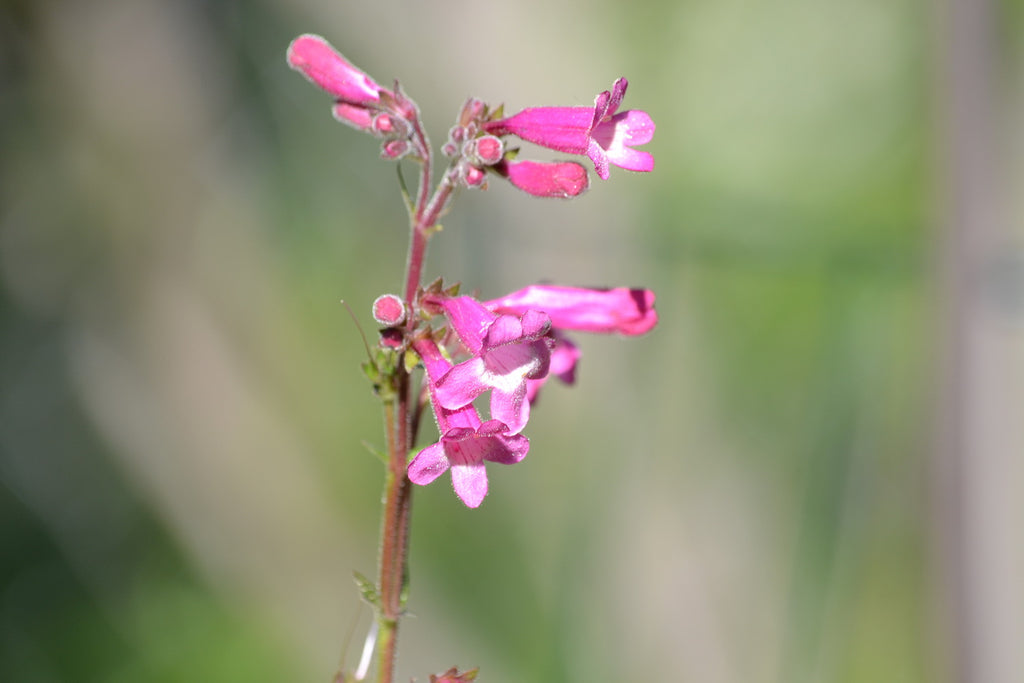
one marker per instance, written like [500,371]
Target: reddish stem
[399,414]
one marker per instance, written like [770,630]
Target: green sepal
[380,370]
[412,359]
[368,589]
[371,371]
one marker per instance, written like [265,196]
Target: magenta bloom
[507,351]
[602,134]
[561,179]
[603,311]
[324,66]
[465,443]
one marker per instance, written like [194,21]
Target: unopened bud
[474,177]
[389,310]
[395,149]
[356,116]
[486,150]
[391,338]
[472,110]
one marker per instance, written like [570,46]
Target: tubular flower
[466,442]
[604,311]
[507,351]
[604,135]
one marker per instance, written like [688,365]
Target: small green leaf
[371,371]
[405,190]
[381,455]
[367,589]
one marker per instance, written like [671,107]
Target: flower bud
[395,149]
[391,338]
[389,310]
[562,179]
[473,110]
[485,150]
[315,59]
[359,118]
[474,177]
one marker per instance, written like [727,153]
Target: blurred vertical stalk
[979,426]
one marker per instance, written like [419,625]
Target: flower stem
[394,530]
[399,413]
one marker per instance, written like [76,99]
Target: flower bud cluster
[475,143]
[470,150]
[359,101]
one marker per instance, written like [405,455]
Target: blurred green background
[762,490]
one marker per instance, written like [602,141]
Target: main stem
[394,529]
[400,430]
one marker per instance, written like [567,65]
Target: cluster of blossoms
[510,346]
[476,142]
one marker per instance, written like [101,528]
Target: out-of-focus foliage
[740,496]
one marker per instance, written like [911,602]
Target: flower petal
[470,320]
[470,483]
[511,406]
[463,383]
[428,465]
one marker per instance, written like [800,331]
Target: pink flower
[603,311]
[314,57]
[545,179]
[465,443]
[602,134]
[507,351]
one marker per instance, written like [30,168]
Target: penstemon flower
[507,350]
[506,347]
[623,311]
[599,132]
[465,441]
